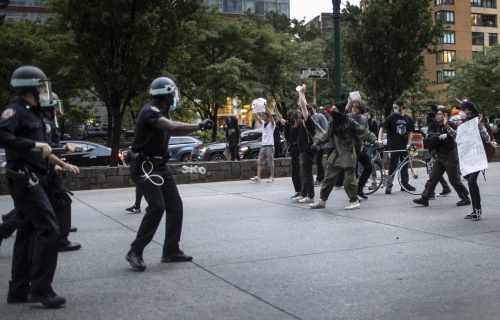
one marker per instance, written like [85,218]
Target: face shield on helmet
[33,80]
[165,87]
[54,103]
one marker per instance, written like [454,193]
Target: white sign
[315,73]
[355,95]
[259,105]
[470,147]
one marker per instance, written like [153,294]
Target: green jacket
[344,154]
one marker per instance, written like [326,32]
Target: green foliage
[20,46]
[122,45]
[478,80]
[384,49]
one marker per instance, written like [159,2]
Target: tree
[384,49]
[417,93]
[478,79]
[122,46]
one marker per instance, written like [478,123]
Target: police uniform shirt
[148,139]
[20,127]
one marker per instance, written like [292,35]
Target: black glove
[206,124]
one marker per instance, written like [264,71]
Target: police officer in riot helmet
[54,187]
[149,171]
[23,135]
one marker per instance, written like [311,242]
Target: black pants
[365,160]
[475,196]
[160,199]
[138,197]
[306,175]
[442,164]
[9,226]
[61,203]
[235,153]
[396,157]
[296,180]
[35,250]
[320,168]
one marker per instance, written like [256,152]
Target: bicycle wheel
[375,180]
[417,176]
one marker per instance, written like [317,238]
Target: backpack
[488,147]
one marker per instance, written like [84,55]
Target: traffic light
[4,4]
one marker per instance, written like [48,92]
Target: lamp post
[336,43]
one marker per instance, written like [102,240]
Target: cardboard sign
[471,154]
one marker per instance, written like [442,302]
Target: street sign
[314,73]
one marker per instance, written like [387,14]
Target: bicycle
[417,172]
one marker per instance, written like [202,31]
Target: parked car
[98,131]
[251,142]
[2,157]
[89,154]
[180,148]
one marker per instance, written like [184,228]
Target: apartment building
[259,7]
[34,10]
[470,25]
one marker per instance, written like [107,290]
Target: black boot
[464,202]
[48,298]
[176,256]
[422,201]
[135,260]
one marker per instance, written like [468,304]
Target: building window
[476,19]
[478,38]
[489,20]
[439,2]
[446,16]
[445,56]
[444,76]
[448,37]
[232,6]
[493,39]
[483,3]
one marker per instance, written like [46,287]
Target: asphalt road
[259,256]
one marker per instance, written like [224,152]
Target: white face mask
[462,115]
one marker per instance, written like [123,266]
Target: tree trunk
[110,125]
[115,138]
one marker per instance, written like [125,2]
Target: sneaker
[318,205]
[297,198]
[476,215]
[295,195]
[445,192]
[464,202]
[256,179]
[353,205]
[422,201]
[134,209]
[469,216]
[388,190]
[306,200]
[270,180]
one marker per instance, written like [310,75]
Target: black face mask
[338,121]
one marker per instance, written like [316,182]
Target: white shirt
[268,134]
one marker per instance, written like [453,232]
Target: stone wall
[107,177]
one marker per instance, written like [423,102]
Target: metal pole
[336,43]
[314,92]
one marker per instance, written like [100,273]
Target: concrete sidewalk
[259,256]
